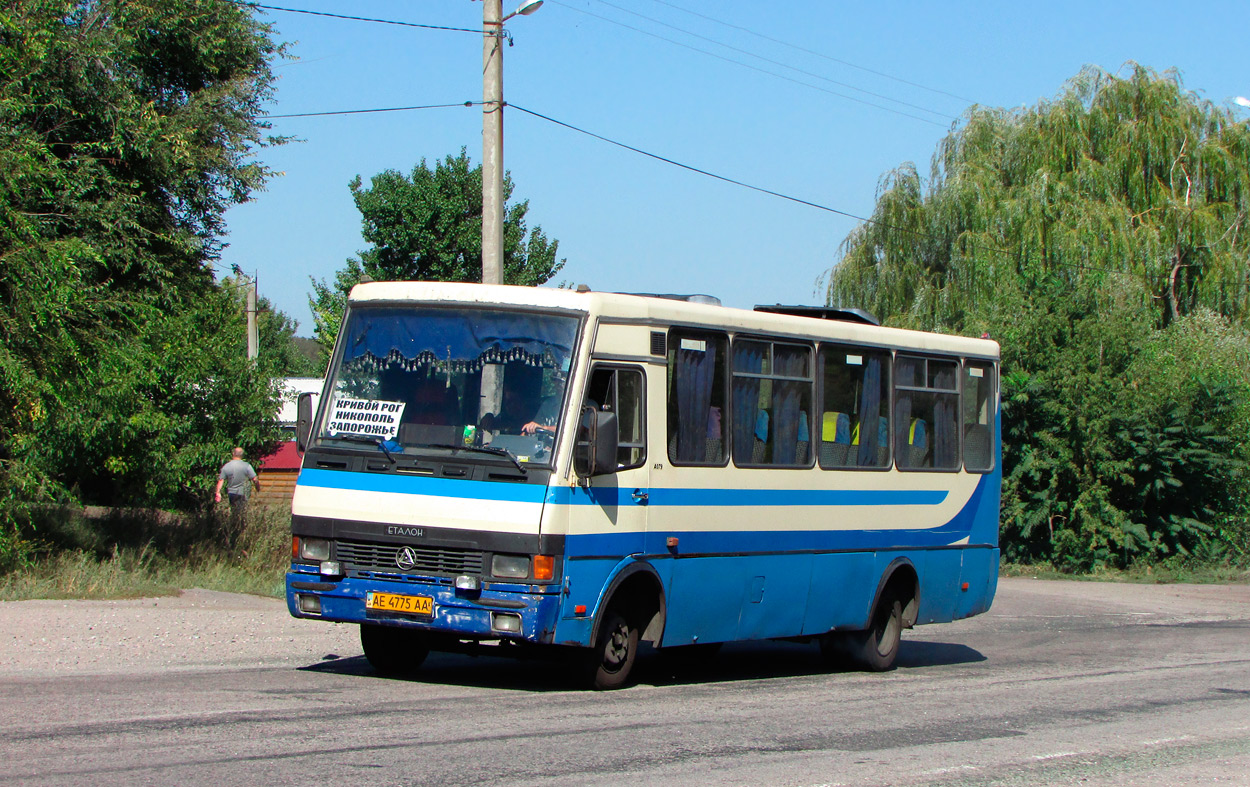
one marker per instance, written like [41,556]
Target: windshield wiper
[370,439]
[483,449]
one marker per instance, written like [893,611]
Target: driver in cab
[523,411]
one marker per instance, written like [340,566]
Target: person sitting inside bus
[523,411]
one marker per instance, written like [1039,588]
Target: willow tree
[1116,185]
[1100,236]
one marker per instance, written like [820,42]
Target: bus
[497,468]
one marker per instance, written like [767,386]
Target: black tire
[612,658]
[392,650]
[876,648]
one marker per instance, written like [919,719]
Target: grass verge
[1165,573]
[133,554]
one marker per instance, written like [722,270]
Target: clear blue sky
[683,79]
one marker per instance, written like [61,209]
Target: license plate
[393,602]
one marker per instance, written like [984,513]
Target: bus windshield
[411,379]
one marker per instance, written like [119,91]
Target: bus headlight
[315,549]
[510,566]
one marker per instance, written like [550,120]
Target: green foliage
[428,227]
[1101,237]
[127,128]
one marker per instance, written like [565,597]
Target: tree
[1118,185]
[1102,238]
[428,227]
[127,128]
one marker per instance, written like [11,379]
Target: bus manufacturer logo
[414,532]
[406,558]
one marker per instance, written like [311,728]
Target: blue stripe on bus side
[613,496]
[838,538]
[409,485]
[676,496]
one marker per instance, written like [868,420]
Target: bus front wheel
[612,657]
[392,650]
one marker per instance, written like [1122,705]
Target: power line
[371,111]
[354,18]
[815,53]
[748,65]
[748,53]
[653,35]
[723,178]
[973,247]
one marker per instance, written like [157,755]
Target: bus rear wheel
[392,650]
[877,647]
[612,657]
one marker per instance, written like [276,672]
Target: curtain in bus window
[787,404]
[945,426]
[695,374]
[748,419]
[458,335]
[869,412]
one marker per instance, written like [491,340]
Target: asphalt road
[1061,683]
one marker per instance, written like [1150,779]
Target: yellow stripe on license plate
[393,602]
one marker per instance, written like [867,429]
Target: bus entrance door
[611,522]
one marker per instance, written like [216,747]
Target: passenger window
[696,398]
[854,424]
[926,402]
[620,391]
[772,403]
[978,416]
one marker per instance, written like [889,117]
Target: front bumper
[458,613]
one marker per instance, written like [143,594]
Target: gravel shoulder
[195,630]
[204,629]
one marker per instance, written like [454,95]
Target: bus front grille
[362,556]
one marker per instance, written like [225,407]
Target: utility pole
[492,142]
[493,36]
[253,338]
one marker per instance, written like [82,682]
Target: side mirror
[303,421]
[597,437]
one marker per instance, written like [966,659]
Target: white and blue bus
[495,466]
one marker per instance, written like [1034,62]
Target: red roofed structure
[277,473]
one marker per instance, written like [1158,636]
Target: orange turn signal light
[544,567]
[295,547]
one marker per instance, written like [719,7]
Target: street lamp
[492,134]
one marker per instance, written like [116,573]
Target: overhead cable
[748,65]
[371,111]
[749,53]
[353,18]
[847,63]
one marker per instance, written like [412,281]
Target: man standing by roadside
[239,478]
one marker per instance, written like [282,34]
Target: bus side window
[772,402]
[926,401]
[854,425]
[620,391]
[978,416]
[697,416]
